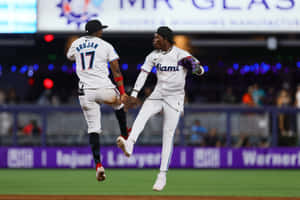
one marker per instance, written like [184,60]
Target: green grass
[280,183]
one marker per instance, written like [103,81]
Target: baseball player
[171,64]
[92,55]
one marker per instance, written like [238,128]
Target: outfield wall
[149,157]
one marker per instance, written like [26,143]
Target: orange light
[49,37]
[183,42]
[48,83]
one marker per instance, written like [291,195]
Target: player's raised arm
[133,101]
[118,77]
[139,83]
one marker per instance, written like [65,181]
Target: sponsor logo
[210,4]
[207,158]
[20,158]
[79,11]
[139,160]
[73,159]
[253,159]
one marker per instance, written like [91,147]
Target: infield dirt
[115,197]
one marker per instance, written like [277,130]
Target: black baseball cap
[166,33]
[93,26]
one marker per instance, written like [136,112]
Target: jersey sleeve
[112,54]
[149,63]
[183,54]
[71,52]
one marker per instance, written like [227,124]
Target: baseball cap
[166,33]
[93,26]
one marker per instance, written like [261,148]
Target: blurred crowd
[200,136]
[254,96]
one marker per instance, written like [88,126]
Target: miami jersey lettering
[170,75]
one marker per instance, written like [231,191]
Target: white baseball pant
[171,118]
[90,105]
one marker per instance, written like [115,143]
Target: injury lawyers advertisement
[181,15]
[149,157]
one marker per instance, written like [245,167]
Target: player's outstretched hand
[198,70]
[124,98]
[131,102]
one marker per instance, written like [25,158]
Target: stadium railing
[65,125]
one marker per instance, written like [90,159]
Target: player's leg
[171,118]
[121,117]
[149,108]
[111,97]
[91,111]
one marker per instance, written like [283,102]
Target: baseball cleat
[120,142]
[125,145]
[100,174]
[160,182]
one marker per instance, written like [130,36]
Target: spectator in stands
[211,139]
[297,105]
[2,96]
[5,118]
[45,98]
[264,142]
[257,95]
[48,98]
[243,141]
[285,120]
[12,97]
[247,97]
[55,100]
[270,97]
[73,99]
[229,97]
[197,133]
[32,129]
[297,97]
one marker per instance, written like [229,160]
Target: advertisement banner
[149,157]
[183,15]
[18,16]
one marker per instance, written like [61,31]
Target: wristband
[121,89]
[134,93]
[117,79]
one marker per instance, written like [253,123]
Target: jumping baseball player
[92,54]
[171,64]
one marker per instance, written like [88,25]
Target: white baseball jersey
[170,76]
[92,55]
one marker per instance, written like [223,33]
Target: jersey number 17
[83,56]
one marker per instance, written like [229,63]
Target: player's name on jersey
[86,45]
[167,68]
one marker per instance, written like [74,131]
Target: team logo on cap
[79,11]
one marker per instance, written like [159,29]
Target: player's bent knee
[113,102]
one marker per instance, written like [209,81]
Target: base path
[115,197]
